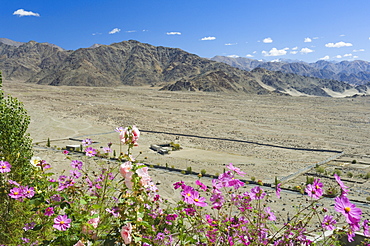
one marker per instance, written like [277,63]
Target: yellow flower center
[188,194]
[62,222]
[16,193]
[3,167]
[196,199]
[347,209]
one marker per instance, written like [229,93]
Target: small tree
[15,142]
[15,148]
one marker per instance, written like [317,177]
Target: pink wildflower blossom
[201,185]
[278,190]
[86,142]
[129,135]
[49,211]
[62,222]
[343,188]
[5,167]
[65,152]
[315,190]
[328,223]
[29,226]
[143,173]
[271,215]
[126,233]
[348,209]
[79,243]
[16,193]
[191,196]
[365,226]
[90,151]
[28,192]
[235,169]
[77,164]
[257,193]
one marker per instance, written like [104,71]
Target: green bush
[350,175]
[203,171]
[188,170]
[15,142]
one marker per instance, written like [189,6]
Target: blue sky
[306,30]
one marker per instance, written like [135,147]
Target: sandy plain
[274,133]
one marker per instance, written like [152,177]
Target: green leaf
[83,201]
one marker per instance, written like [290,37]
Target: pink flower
[129,135]
[107,150]
[365,226]
[125,169]
[271,215]
[126,233]
[235,169]
[328,223]
[86,142]
[49,211]
[5,167]
[315,190]
[65,152]
[77,164]
[143,173]
[201,185]
[348,209]
[62,222]
[257,193]
[28,192]
[343,188]
[16,193]
[191,196]
[94,222]
[13,182]
[278,190]
[79,243]
[90,151]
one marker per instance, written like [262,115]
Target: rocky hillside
[353,72]
[135,63]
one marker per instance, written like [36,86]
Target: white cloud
[360,50]
[115,30]
[307,40]
[275,52]
[355,57]
[342,35]
[208,38]
[130,31]
[254,52]
[306,50]
[315,38]
[325,58]
[294,52]
[22,12]
[249,55]
[96,33]
[347,55]
[295,48]
[337,45]
[231,44]
[338,56]
[233,56]
[267,40]
[174,33]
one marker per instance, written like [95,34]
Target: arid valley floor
[276,132]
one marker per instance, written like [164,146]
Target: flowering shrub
[120,205]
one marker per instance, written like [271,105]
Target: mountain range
[353,72]
[135,63]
